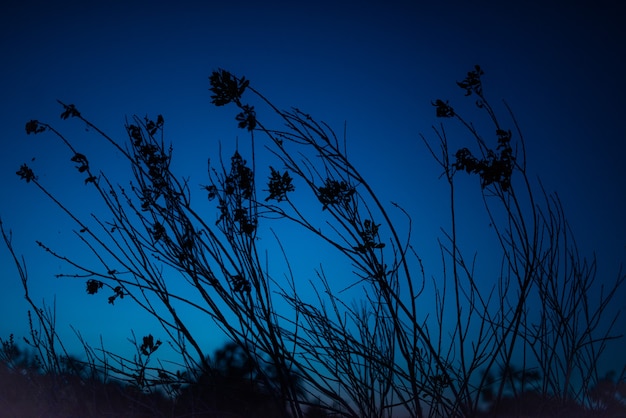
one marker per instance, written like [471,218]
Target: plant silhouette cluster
[362,346]
[236,191]
[279,185]
[496,166]
[334,192]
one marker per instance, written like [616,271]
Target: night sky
[374,65]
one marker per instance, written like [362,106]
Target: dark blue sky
[375,65]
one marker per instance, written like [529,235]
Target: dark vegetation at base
[609,394]
[233,387]
[25,392]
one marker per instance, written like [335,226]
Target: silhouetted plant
[279,185]
[374,356]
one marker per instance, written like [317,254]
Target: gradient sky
[375,65]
